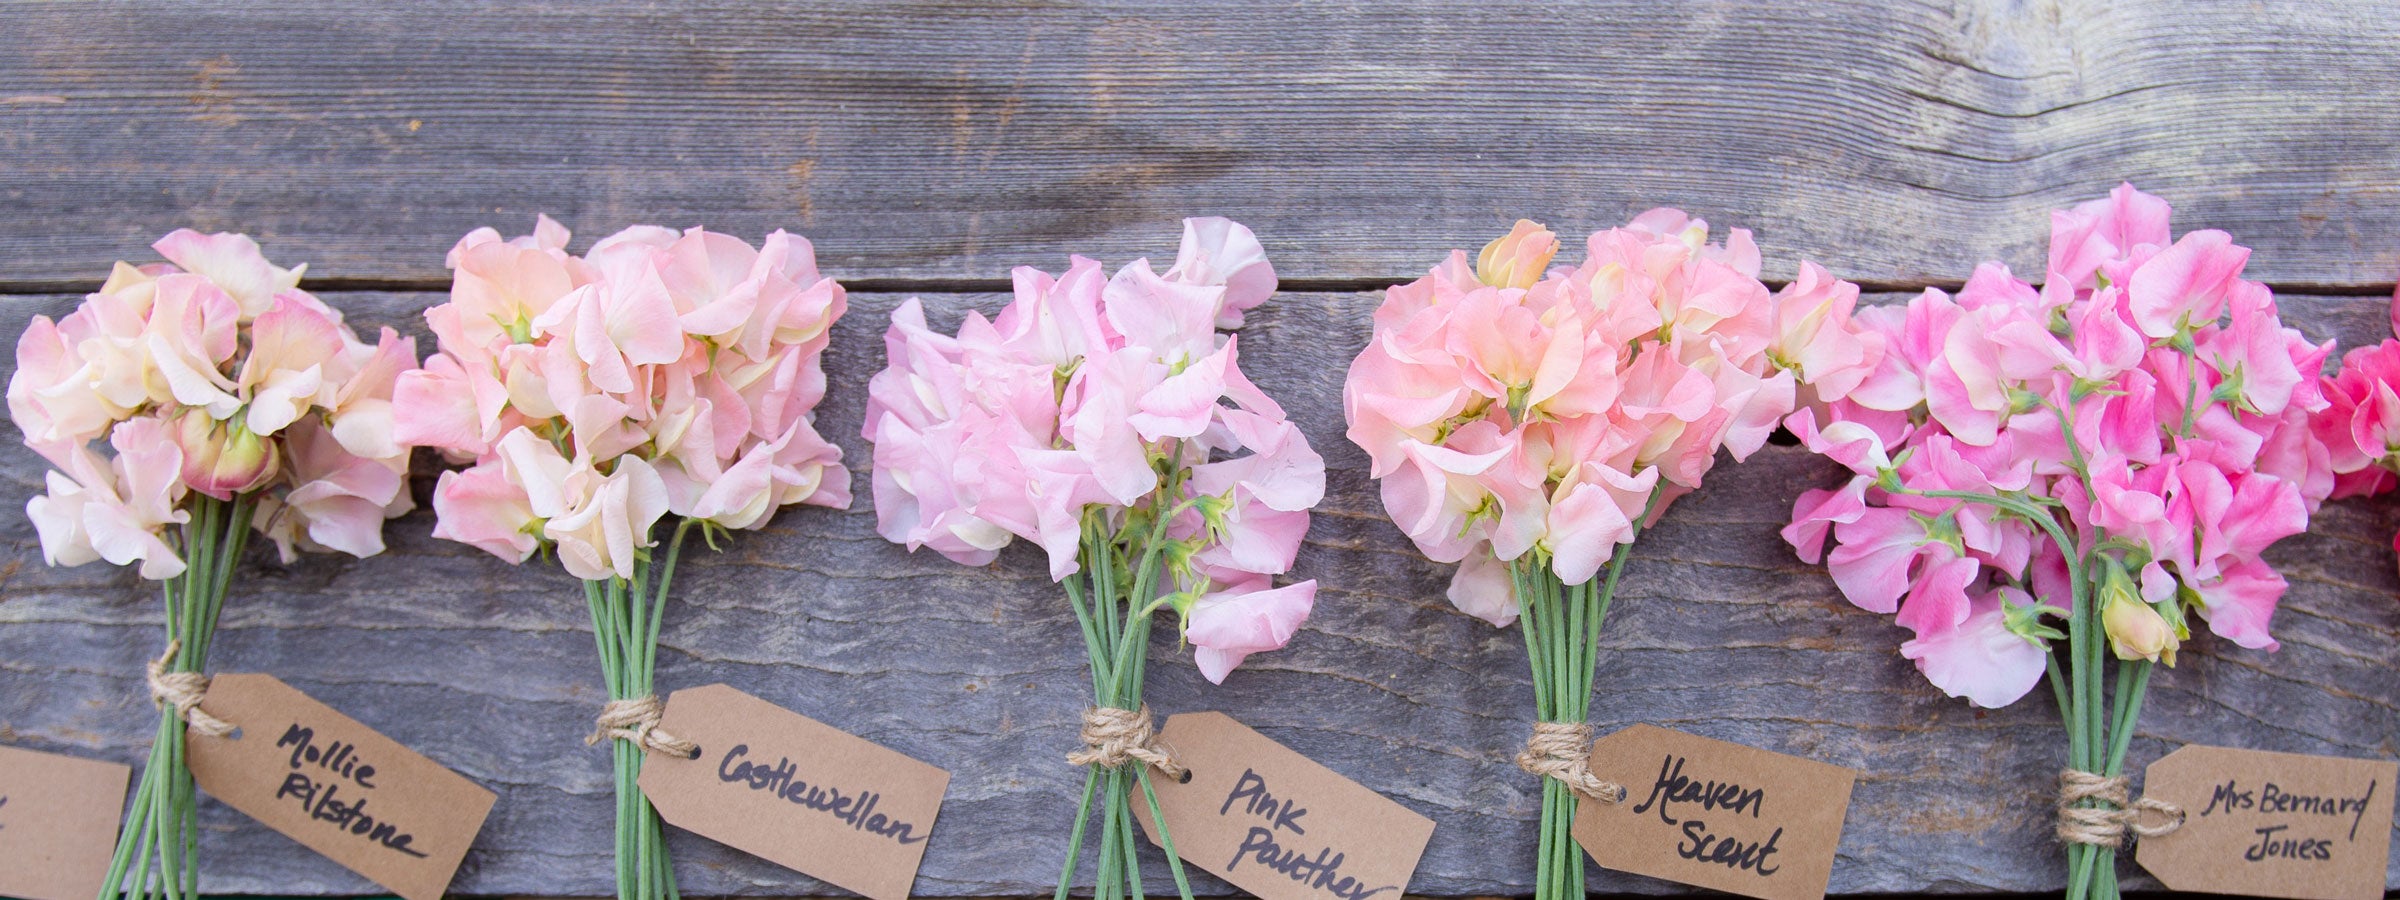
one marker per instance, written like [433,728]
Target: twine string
[183,691]
[1113,737]
[636,719]
[1563,750]
[2116,815]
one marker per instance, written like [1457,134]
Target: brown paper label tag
[2271,824]
[1274,822]
[336,786]
[58,823]
[1715,814]
[795,791]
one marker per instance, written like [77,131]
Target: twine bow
[1563,750]
[1112,737]
[636,720]
[183,691]
[2107,825]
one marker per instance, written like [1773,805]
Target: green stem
[1083,816]
[157,851]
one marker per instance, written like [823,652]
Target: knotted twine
[183,691]
[1563,750]
[2107,825]
[636,720]
[1112,737]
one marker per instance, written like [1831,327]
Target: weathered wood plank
[1897,142]
[1721,631]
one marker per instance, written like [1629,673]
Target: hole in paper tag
[1714,814]
[58,823]
[1276,823]
[795,791]
[2271,824]
[336,786]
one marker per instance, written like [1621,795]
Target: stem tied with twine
[1114,596]
[625,617]
[158,849]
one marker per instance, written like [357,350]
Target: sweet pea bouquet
[1527,422]
[658,375]
[2360,425]
[229,401]
[1091,417]
[2110,452]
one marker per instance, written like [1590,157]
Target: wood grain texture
[1721,631]
[1898,142]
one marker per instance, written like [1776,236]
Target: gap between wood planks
[1002,286]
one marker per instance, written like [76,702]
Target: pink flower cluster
[657,373]
[2361,421]
[1513,408]
[2145,395]
[1090,396]
[214,373]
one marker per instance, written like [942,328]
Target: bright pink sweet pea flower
[2145,393]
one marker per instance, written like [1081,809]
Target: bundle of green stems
[1114,595]
[158,849]
[625,617]
[1561,624]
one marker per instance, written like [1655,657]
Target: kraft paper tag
[1714,814]
[1274,822]
[2271,824]
[58,823]
[795,791]
[336,786]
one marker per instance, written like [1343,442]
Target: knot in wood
[635,719]
[1113,737]
[1563,751]
[2096,810]
[182,692]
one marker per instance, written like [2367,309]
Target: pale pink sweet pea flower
[1226,626]
[338,500]
[605,518]
[290,346]
[1979,658]
[481,507]
[1217,251]
[116,510]
[191,331]
[233,263]
[55,396]
[1813,337]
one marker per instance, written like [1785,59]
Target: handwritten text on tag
[336,786]
[58,822]
[795,791]
[1714,814]
[2272,824]
[1274,822]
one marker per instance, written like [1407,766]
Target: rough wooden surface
[1720,631]
[942,140]
[931,145]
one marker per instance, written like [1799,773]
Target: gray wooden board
[1720,631]
[1900,141]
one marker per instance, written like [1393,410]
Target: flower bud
[2135,630]
[1517,259]
[221,459]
